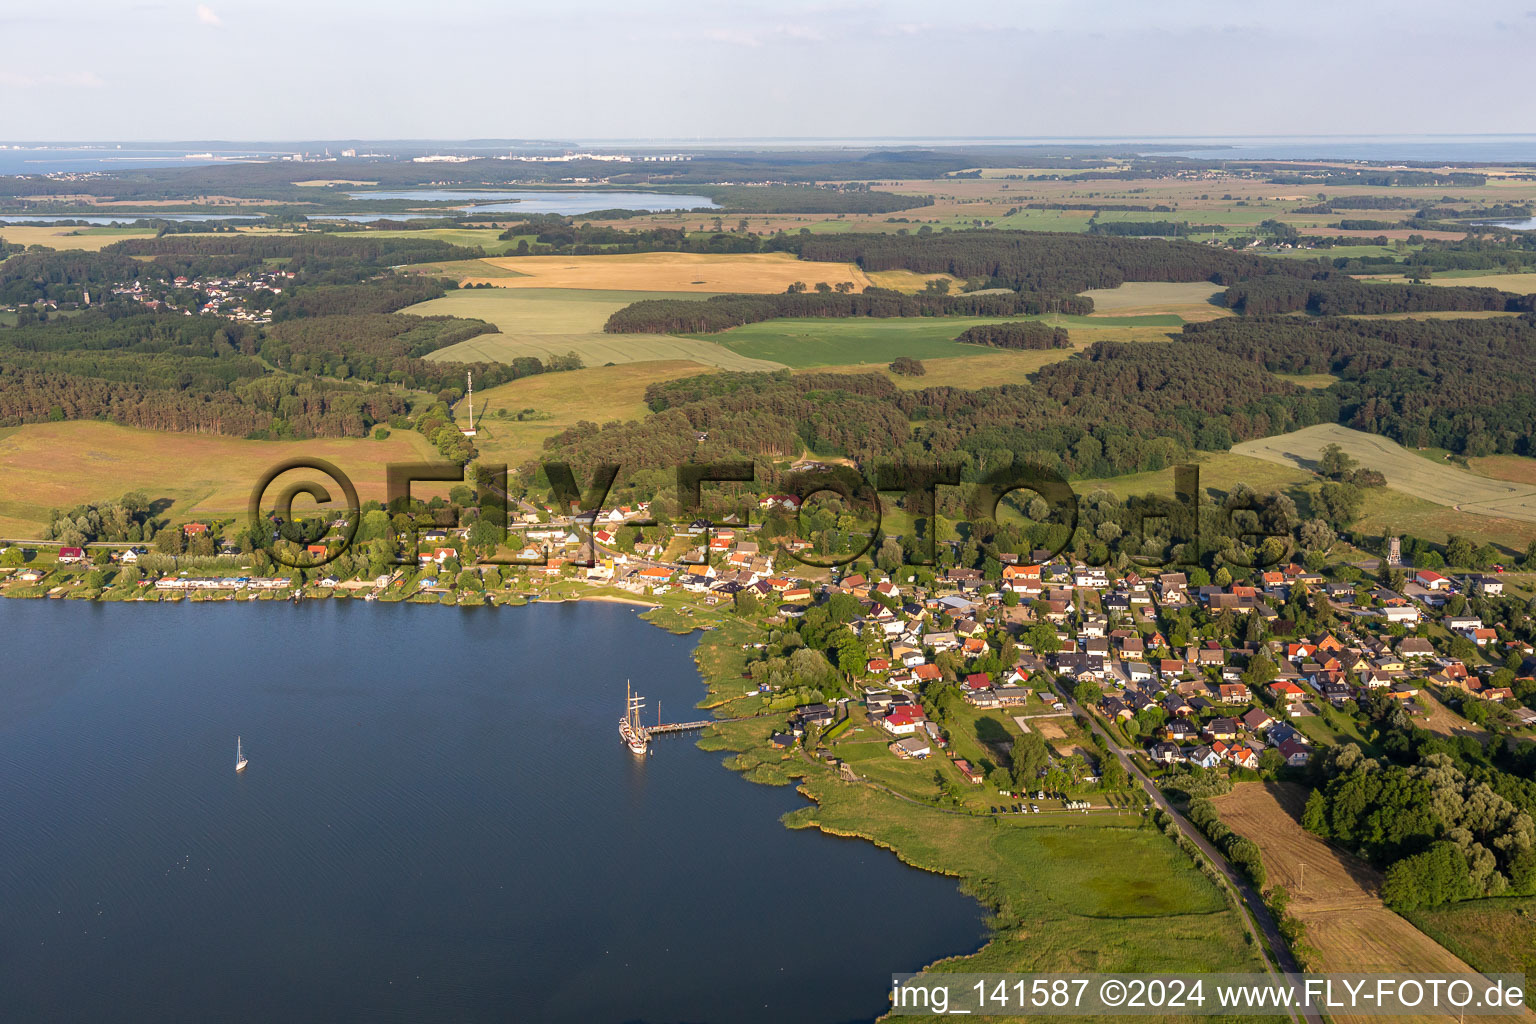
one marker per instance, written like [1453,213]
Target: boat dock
[657,730]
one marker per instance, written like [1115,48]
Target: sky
[684,69]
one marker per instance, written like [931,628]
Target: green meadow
[844,342]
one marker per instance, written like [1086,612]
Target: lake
[566,203]
[438,823]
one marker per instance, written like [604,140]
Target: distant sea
[109,158]
[1514,148]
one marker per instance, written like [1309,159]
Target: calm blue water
[438,823]
[566,203]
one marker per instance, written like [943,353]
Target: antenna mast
[469,386]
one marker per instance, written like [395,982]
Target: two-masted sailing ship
[631,730]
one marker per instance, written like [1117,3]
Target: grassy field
[909,280]
[482,238]
[1191,301]
[1405,471]
[1309,380]
[987,367]
[1517,468]
[49,466]
[1386,510]
[552,321]
[768,273]
[1332,893]
[860,341]
[1219,471]
[1496,935]
[62,236]
[1520,284]
[598,394]
[462,270]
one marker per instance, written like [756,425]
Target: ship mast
[634,704]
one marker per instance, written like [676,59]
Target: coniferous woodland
[1044,272]
[1464,385]
[1027,334]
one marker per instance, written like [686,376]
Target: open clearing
[1091,897]
[1445,485]
[1386,510]
[768,273]
[909,280]
[1192,300]
[546,322]
[1332,893]
[597,394]
[983,367]
[63,236]
[49,466]
[1445,722]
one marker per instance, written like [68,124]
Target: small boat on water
[634,734]
[240,761]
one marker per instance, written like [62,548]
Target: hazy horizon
[681,71]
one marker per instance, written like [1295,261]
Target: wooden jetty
[659,728]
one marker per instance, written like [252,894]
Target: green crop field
[1446,485]
[853,341]
[545,322]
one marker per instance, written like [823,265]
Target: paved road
[1258,918]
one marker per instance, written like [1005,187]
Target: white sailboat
[240,761]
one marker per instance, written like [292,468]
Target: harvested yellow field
[49,466]
[1192,300]
[597,394]
[63,236]
[1520,284]
[765,273]
[1331,892]
[910,280]
[1518,468]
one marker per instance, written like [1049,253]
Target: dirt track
[1333,893]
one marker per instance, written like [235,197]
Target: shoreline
[713,699]
[923,837]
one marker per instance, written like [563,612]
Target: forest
[1337,294]
[1023,334]
[1113,409]
[1463,385]
[1445,818]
